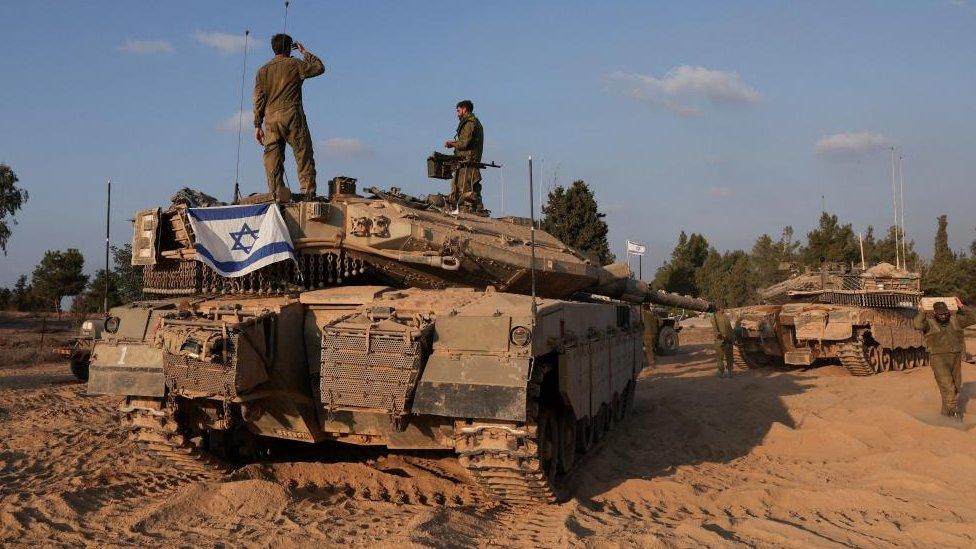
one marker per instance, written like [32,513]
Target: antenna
[532,230]
[240,124]
[108,225]
[284,28]
[894,203]
[502,175]
[901,192]
[860,242]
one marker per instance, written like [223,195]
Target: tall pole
[532,230]
[108,225]
[901,193]
[894,204]
[240,124]
[860,242]
[640,267]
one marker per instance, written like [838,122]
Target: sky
[727,119]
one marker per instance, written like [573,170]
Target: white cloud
[223,42]
[685,90]
[346,146]
[229,124]
[133,45]
[851,146]
[721,192]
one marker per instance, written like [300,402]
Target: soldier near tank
[651,322]
[279,117]
[468,143]
[945,343]
[724,337]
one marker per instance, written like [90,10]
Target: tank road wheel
[887,360]
[667,340]
[79,365]
[568,440]
[161,434]
[548,443]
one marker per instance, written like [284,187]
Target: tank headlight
[520,336]
[112,324]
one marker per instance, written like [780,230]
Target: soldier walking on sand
[945,343]
[279,117]
[468,143]
[723,342]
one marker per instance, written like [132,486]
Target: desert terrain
[770,458]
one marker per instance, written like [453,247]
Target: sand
[785,459]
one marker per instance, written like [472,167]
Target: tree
[11,200]
[6,299]
[727,279]
[678,273]
[93,298]
[768,255]
[946,275]
[59,274]
[831,241]
[572,216]
[22,297]
[128,277]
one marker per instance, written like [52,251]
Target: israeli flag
[236,240]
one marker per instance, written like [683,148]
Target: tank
[861,318]
[78,351]
[397,325]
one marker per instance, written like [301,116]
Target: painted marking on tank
[124,348]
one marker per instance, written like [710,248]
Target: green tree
[22,297]
[768,256]
[59,274]
[6,299]
[572,216]
[678,273]
[946,275]
[128,277]
[832,241]
[12,199]
[92,299]
[727,278]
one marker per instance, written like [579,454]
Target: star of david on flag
[236,240]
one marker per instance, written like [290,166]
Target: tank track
[862,358]
[753,360]
[160,436]
[505,463]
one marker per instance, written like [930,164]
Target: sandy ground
[807,458]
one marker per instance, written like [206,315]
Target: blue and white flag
[236,240]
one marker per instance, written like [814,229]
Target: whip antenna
[532,218]
[240,124]
[284,28]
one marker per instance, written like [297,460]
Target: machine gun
[443,166]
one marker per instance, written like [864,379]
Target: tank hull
[516,391]
[864,340]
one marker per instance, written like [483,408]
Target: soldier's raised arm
[965,316]
[920,323]
[312,66]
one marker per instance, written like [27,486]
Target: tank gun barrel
[617,283]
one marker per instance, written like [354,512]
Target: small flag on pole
[236,240]
[635,248]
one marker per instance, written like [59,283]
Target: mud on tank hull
[211,381]
[865,341]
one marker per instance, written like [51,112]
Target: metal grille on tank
[371,369]
[188,374]
[317,270]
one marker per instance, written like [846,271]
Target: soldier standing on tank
[945,343]
[468,143]
[650,334]
[279,117]
[724,337]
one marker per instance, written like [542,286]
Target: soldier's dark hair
[466,104]
[281,43]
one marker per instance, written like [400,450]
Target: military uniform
[278,106]
[466,184]
[650,334]
[946,345]
[723,342]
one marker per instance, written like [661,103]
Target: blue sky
[729,119]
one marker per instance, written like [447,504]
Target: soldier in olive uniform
[279,117]
[467,144]
[650,334]
[945,343]
[724,336]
